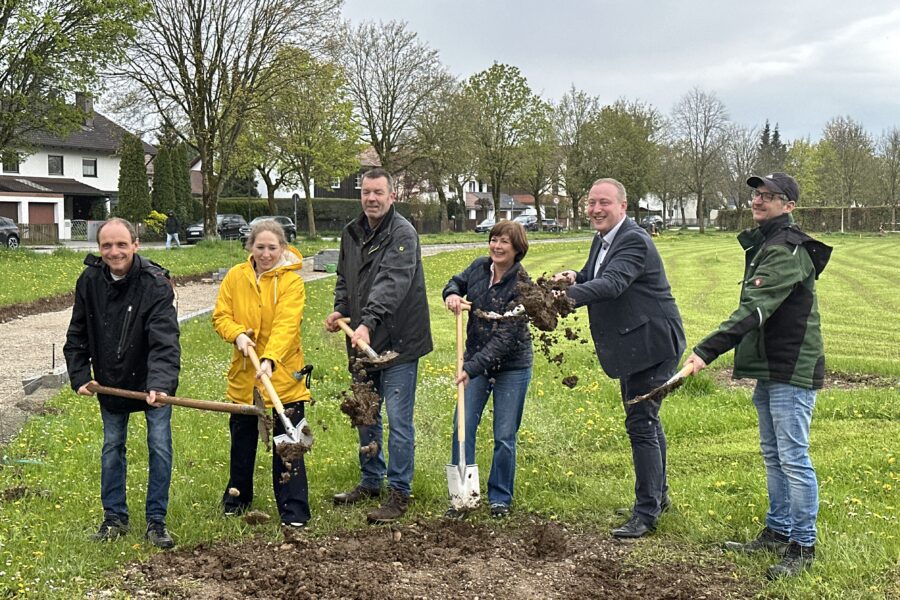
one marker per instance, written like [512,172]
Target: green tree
[538,164]
[505,108]
[181,175]
[848,161]
[771,152]
[162,198]
[240,186]
[889,170]
[134,192]
[49,48]
[804,163]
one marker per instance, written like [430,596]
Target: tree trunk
[445,218]
[310,212]
[701,211]
[210,200]
[683,216]
[537,208]
[271,186]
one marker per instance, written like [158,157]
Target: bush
[817,218]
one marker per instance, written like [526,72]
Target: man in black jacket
[638,336]
[172,226]
[381,287]
[124,333]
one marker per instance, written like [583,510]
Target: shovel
[514,313]
[238,409]
[675,382]
[462,479]
[372,357]
[292,434]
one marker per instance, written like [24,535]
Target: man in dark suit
[638,336]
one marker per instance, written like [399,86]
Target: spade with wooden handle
[292,434]
[675,382]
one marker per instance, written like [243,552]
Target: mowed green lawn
[574,461]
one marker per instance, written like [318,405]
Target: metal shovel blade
[465,492]
[298,434]
[514,313]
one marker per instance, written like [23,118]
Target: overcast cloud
[795,63]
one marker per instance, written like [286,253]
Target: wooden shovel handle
[267,383]
[238,409]
[460,389]
[343,324]
[686,370]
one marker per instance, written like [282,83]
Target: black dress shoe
[664,508]
[634,528]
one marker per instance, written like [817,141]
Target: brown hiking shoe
[357,494]
[393,507]
[768,540]
[796,559]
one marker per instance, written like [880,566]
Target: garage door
[10,210]
[40,213]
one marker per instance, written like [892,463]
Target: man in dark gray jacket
[381,287]
[637,334]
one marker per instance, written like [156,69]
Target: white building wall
[35,165]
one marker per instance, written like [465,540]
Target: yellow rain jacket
[272,306]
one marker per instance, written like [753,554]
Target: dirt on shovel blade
[431,559]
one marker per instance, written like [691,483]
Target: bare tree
[741,156]
[208,65]
[667,179]
[392,76]
[848,154]
[538,165]
[889,162]
[700,120]
[573,120]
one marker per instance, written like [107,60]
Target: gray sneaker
[110,529]
[768,540]
[159,536]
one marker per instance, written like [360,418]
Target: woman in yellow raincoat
[260,304]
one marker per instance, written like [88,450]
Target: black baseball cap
[780,183]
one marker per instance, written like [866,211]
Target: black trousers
[291,492]
[648,440]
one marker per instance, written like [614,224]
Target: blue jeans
[113,463]
[785,413]
[509,388]
[397,387]
[169,238]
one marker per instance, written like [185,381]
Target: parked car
[9,233]
[228,226]
[529,222]
[485,226]
[290,230]
[551,225]
[653,220]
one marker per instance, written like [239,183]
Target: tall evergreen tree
[134,192]
[771,151]
[163,195]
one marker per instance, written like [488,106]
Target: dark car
[653,221]
[485,226]
[529,222]
[9,233]
[228,226]
[290,230]
[551,225]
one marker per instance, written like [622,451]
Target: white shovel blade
[465,491]
[295,435]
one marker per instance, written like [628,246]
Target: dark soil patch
[571,381]
[445,559]
[64,301]
[361,403]
[833,380]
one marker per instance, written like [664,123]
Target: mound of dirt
[545,301]
[445,559]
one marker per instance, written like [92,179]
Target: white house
[63,179]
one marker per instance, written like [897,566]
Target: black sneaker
[499,511]
[159,536]
[357,494]
[393,507]
[796,559]
[110,529]
[663,508]
[768,540]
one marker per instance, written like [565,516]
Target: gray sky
[797,63]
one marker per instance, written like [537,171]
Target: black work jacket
[124,332]
[381,284]
[492,346]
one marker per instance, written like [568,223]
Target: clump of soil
[370,449]
[256,517]
[545,301]
[442,559]
[361,403]
[571,381]
[14,493]
[291,452]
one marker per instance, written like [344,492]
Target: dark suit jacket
[635,322]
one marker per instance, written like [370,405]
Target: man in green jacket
[778,340]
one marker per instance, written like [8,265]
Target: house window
[10,162]
[336,184]
[358,180]
[54,164]
[472,186]
[89,167]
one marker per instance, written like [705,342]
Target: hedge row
[821,218]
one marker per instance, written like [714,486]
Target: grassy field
[574,458]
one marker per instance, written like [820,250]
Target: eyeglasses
[768,196]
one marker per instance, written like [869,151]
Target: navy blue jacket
[635,323]
[492,346]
